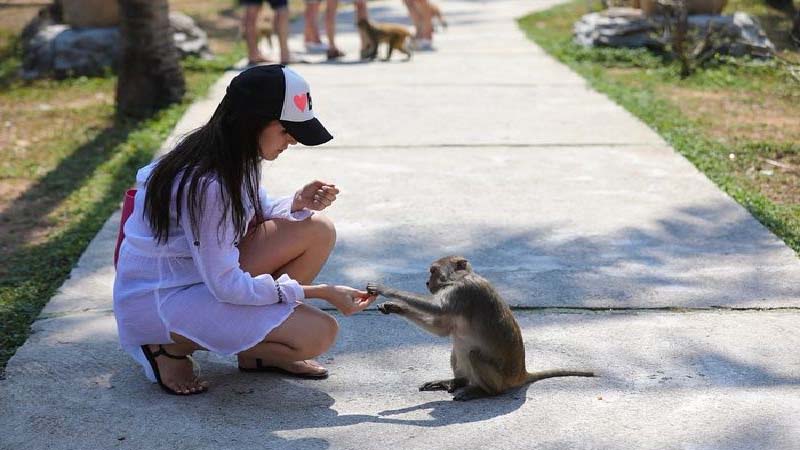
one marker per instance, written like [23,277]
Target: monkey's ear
[461,264]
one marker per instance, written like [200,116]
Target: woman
[209,261]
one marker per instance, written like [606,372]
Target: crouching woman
[211,262]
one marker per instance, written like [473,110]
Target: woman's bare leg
[290,344]
[311,26]
[330,26]
[298,249]
[178,374]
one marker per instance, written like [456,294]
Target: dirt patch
[736,118]
[777,177]
[739,116]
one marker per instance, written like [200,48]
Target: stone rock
[190,39]
[627,27]
[61,51]
[615,27]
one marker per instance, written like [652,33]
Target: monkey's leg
[488,379]
[390,49]
[405,49]
[372,53]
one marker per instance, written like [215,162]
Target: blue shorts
[275,4]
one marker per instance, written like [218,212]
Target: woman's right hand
[348,300]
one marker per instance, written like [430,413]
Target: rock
[615,27]
[626,27]
[62,51]
[88,51]
[190,39]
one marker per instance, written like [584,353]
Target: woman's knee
[324,229]
[326,328]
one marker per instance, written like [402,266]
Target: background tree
[150,75]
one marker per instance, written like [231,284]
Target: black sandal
[151,358]
[262,368]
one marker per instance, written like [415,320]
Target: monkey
[488,355]
[395,37]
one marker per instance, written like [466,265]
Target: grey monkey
[488,356]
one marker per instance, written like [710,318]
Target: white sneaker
[316,47]
[423,45]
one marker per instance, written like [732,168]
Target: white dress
[193,285]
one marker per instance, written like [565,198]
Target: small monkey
[395,37]
[488,356]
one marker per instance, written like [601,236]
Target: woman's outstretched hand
[316,196]
[348,300]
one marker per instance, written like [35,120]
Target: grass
[735,120]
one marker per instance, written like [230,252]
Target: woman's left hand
[316,196]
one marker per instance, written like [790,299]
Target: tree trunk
[150,75]
[796,29]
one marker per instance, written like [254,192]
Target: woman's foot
[259,59]
[334,53]
[316,47]
[293,59]
[174,369]
[305,369]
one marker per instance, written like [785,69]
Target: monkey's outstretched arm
[421,310]
[422,302]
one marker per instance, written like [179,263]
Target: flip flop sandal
[256,62]
[333,55]
[151,358]
[262,368]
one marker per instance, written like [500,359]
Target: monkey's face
[446,270]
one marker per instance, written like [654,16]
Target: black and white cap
[280,93]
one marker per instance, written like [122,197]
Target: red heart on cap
[300,102]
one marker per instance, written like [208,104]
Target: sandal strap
[162,351]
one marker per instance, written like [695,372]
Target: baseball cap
[279,92]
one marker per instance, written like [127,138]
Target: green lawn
[735,120]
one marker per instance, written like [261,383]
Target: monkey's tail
[441,21]
[541,375]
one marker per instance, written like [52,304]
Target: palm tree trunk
[796,29]
[150,75]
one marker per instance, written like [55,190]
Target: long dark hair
[226,149]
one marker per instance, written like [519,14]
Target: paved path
[491,149]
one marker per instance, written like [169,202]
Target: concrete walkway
[619,255]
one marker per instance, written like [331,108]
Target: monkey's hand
[390,308]
[376,288]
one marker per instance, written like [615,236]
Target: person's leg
[311,27]
[298,249]
[178,374]
[426,20]
[282,27]
[414,15]
[250,25]
[290,346]
[362,13]
[331,6]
